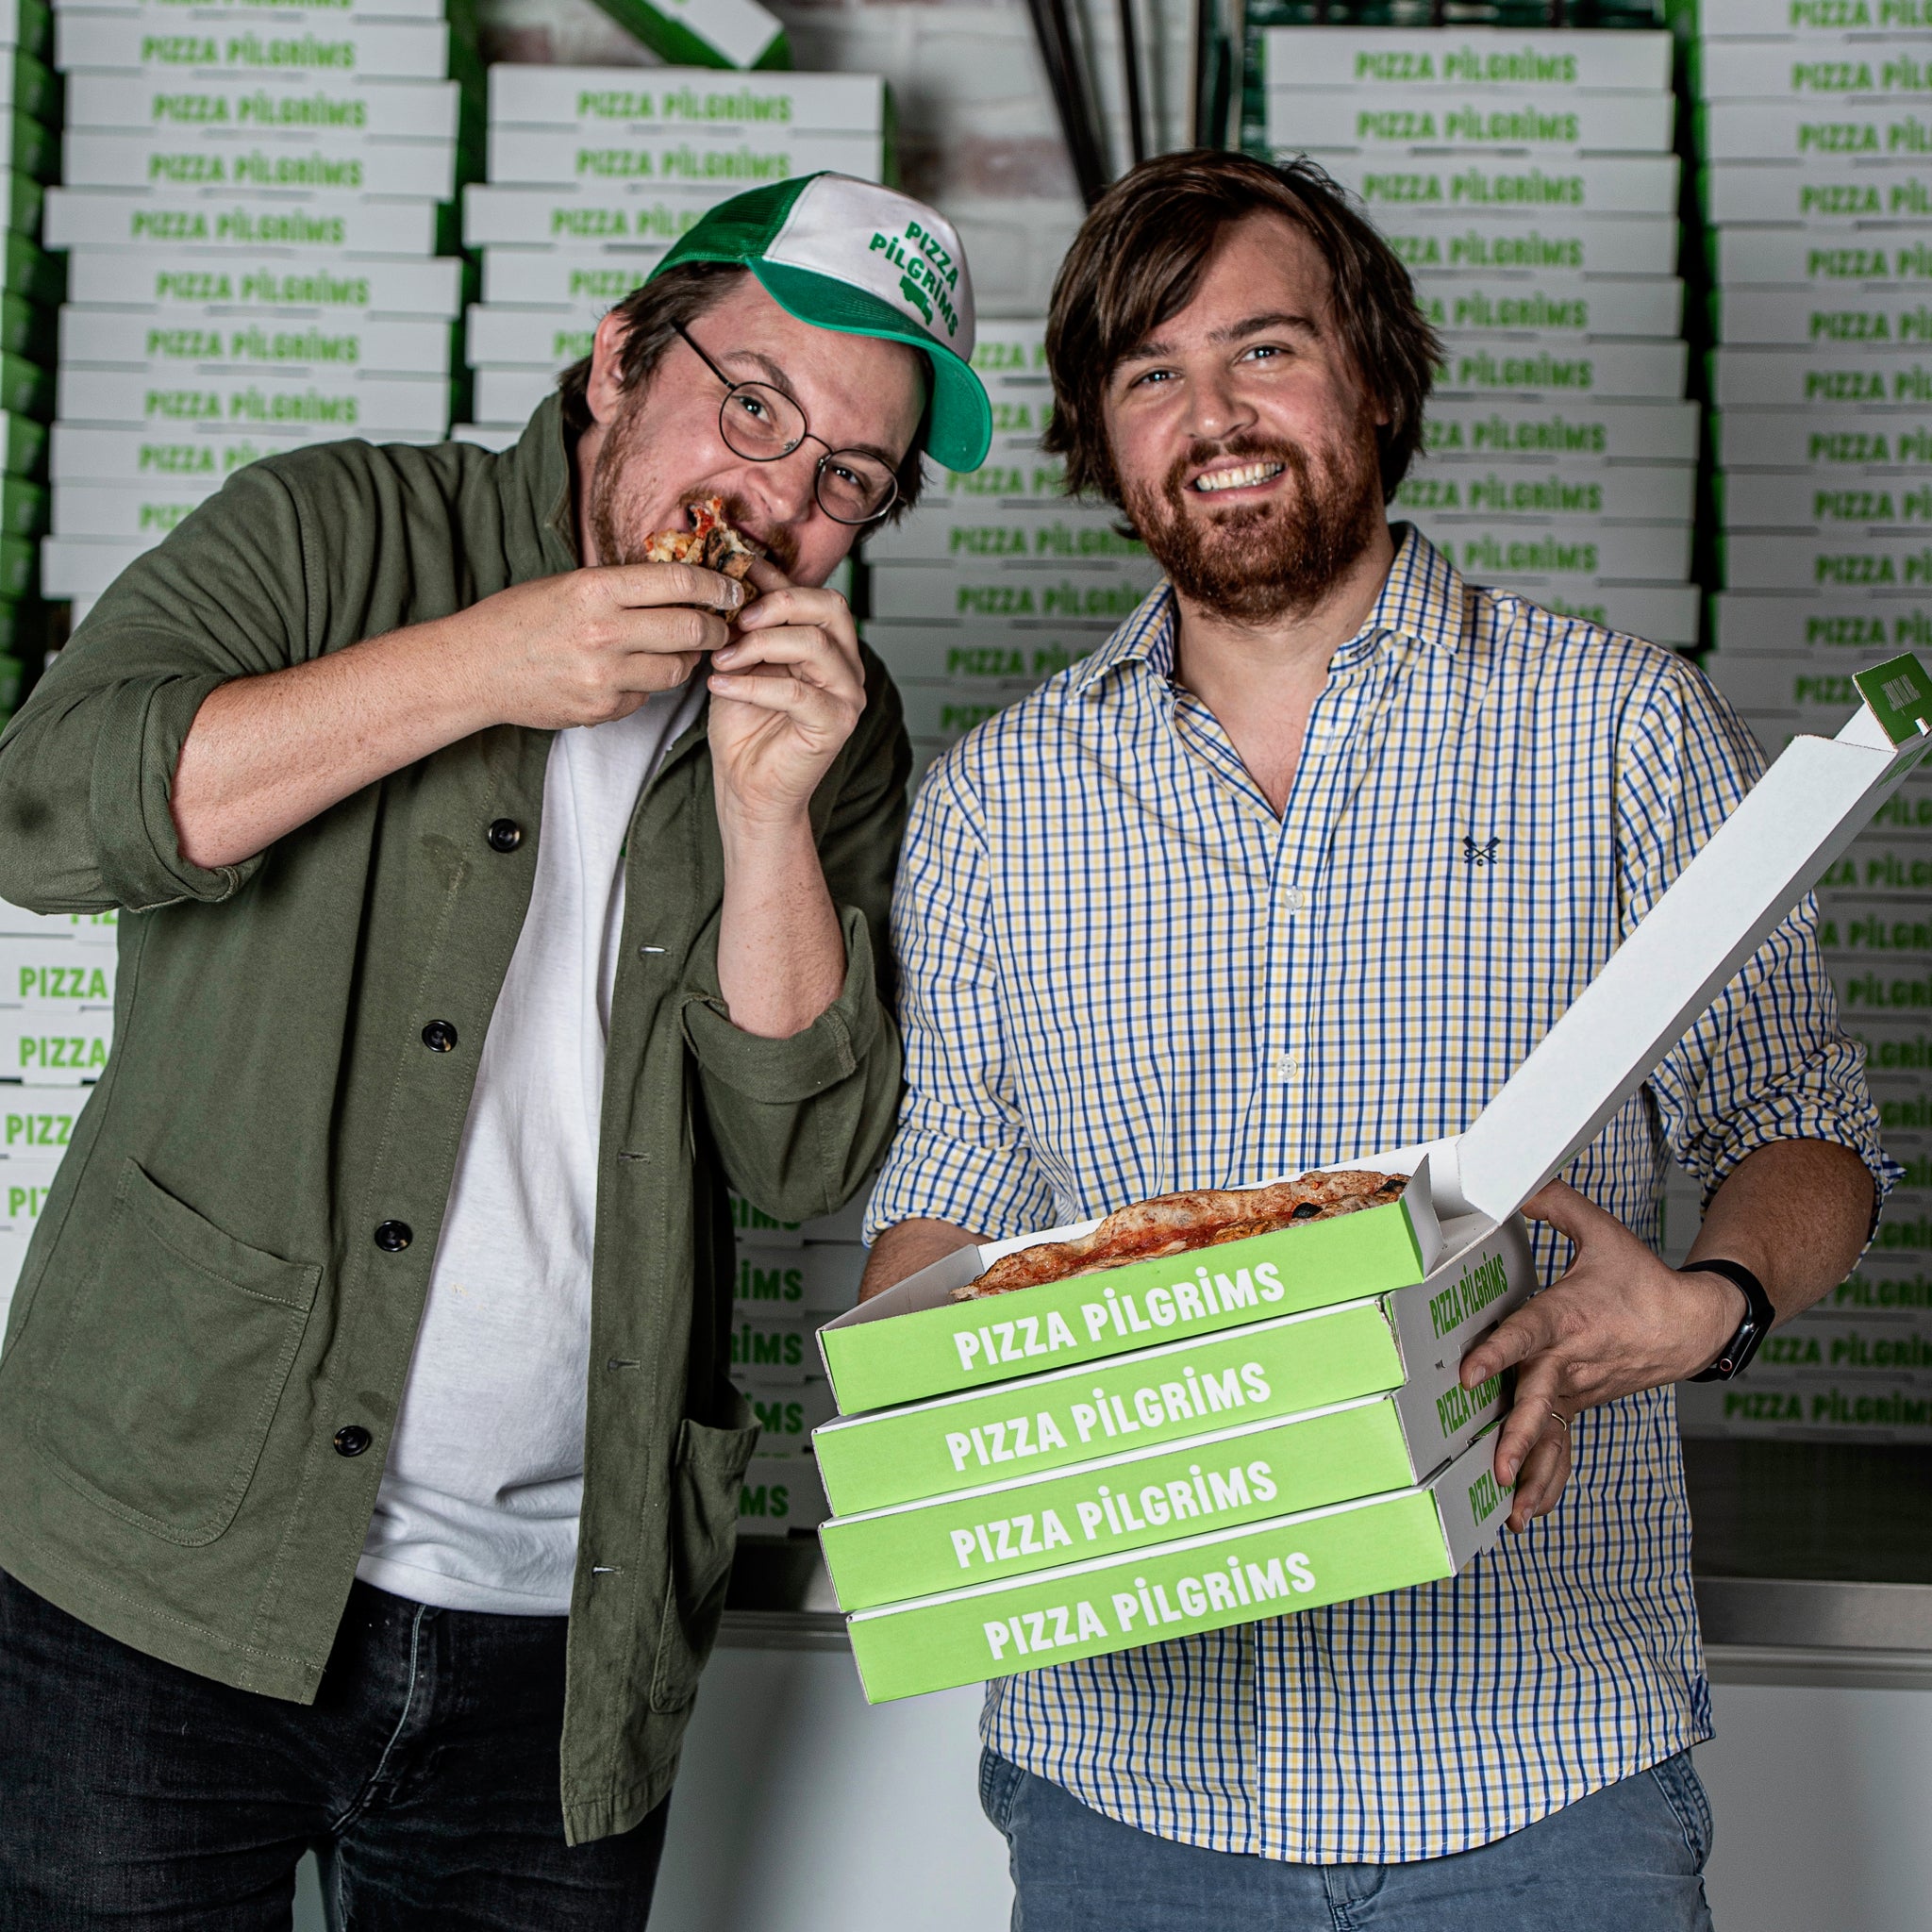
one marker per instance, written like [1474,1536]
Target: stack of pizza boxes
[257,213]
[1168,1446]
[57,1016]
[594,171]
[1813,133]
[995,581]
[1527,180]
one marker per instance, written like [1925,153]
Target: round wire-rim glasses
[764,426]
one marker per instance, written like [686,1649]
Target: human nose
[1217,409]
[787,487]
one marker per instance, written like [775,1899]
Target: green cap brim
[962,430]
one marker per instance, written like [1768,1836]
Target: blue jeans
[143,1797]
[1628,1858]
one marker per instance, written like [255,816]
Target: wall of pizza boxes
[1813,138]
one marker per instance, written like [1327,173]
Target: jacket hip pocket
[170,1365]
[706,1476]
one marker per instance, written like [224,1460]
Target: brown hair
[1139,259]
[653,314]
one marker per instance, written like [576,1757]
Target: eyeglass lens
[762,424]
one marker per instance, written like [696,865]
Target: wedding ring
[1560,1423]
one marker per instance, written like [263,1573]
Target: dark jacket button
[439,1037]
[392,1236]
[352,1439]
[505,835]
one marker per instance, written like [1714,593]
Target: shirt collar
[1423,600]
[534,477]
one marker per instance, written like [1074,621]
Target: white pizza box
[1557,241]
[1823,257]
[1831,131]
[733,159]
[1843,559]
[780,1495]
[307,12]
[581,216]
[1001,657]
[1619,428]
[157,104]
[351,163]
[1801,22]
[1801,815]
[942,714]
[1456,60]
[1007,476]
[1830,623]
[77,568]
[510,395]
[1310,118]
[305,226]
[164,340]
[1801,685]
[128,510]
[51,973]
[1824,505]
[775,1350]
[50,1049]
[79,453]
[348,402]
[215,279]
[497,437]
[1817,191]
[256,41]
[97,929]
[627,100]
[1504,365]
[1014,348]
[755,1229]
[1758,1405]
[787,1413]
[1818,69]
[1873,317]
[575,279]
[1031,592]
[37,1127]
[1660,614]
[1530,189]
[800,1278]
[1824,441]
[548,338]
[1546,550]
[1082,532]
[1554,304]
[1746,376]
[1584,488]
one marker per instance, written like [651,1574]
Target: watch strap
[1735,1355]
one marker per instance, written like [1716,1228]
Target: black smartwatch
[1734,1357]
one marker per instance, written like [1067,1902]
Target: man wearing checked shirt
[1298,866]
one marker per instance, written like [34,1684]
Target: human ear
[604,392]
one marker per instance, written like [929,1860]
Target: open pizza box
[915,1341]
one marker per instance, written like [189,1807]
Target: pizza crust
[710,542]
[1177,1223]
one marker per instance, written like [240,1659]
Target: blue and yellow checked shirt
[1123,974]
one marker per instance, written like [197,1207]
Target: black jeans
[142,1797]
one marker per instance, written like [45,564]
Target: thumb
[766,576]
[1569,1213]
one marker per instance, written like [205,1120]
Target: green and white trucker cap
[851,256]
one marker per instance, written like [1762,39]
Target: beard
[1260,562]
[621,476]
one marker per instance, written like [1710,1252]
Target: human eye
[1264,352]
[752,405]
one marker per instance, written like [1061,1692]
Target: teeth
[1244,478]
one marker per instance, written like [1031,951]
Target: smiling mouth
[1247,477]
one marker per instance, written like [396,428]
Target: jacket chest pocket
[170,1363]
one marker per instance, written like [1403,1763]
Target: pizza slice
[1178,1223]
[710,542]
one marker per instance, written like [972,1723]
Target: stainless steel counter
[1813,1564]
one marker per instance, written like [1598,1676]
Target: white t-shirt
[481,1497]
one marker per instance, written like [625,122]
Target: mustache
[780,545]
[1246,447]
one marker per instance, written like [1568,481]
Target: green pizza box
[705,33]
[1308,1454]
[22,444]
[22,507]
[26,388]
[916,1340]
[25,270]
[1300,1561]
[1855,503]
[25,198]
[346,402]
[190,280]
[1456,61]
[1240,1366]
[27,25]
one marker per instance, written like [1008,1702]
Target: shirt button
[1294,899]
[439,1037]
[1287,1066]
[392,1236]
[352,1438]
[505,835]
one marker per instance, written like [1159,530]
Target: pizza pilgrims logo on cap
[928,276]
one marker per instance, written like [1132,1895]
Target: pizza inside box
[966,1424]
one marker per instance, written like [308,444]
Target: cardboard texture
[1567,304]
[334,163]
[162,340]
[214,279]
[312,226]
[1623,185]
[1623,429]
[1560,241]
[632,100]
[1455,60]
[162,107]
[1542,121]
[1209,1582]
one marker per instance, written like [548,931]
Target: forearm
[269,753]
[1795,1213]
[781,957]
[905,1248]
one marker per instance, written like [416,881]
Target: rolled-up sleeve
[87,767]
[961,1154]
[1768,1060]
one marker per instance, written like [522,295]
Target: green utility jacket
[207,1318]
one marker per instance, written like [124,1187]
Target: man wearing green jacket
[477,935]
